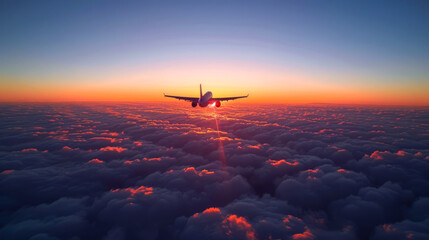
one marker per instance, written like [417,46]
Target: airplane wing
[190,99]
[229,98]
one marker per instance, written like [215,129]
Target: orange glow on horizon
[265,84]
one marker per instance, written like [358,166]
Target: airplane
[206,99]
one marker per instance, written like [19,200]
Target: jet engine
[194,104]
[217,103]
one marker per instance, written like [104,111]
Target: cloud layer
[169,171]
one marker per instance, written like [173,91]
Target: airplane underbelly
[204,104]
[204,101]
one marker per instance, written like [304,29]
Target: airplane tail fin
[201,92]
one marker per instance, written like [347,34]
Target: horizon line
[250,103]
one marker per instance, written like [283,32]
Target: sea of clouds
[170,171]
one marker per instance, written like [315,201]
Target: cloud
[317,188]
[373,206]
[95,160]
[113,149]
[165,171]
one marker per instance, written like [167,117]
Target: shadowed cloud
[157,171]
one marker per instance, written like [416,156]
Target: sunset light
[217,120]
[332,55]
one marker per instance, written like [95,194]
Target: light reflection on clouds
[170,171]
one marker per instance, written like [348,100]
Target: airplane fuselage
[205,99]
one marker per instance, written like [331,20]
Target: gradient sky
[366,52]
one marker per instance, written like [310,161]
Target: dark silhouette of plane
[206,99]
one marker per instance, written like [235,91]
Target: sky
[292,52]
